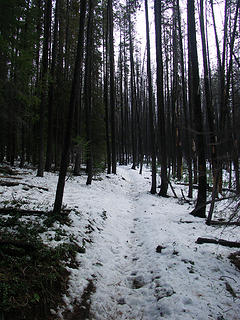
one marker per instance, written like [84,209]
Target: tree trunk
[106,99]
[224,95]
[151,106]
[88,91]
[133,91]
[210,118]
[160,98]
[72,105]
[200,208]
[44,85]
[187,138]
[49,153]
[112,87]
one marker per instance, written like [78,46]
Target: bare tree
[112,86]
[44,83]
[200,207]
[160,98]
[72,105]
[151,106]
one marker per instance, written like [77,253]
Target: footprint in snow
[138,282]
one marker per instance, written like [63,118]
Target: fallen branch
[13,184]
[222,242]
[187,201]
[230,290]
[208,202]
[220,199]
[175,195]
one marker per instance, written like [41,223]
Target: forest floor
[140,257]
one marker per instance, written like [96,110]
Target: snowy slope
[121,224]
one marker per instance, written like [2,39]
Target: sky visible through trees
[141,37]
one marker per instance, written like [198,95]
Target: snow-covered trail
[123,257]
[184,281]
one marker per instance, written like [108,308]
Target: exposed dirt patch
[235,259]
[82,311]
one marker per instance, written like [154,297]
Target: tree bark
[49,153]
[224,95]
[88,92]
[112,87]
[72,105]
[151,106]
[133,91]
[197,113]
[160,98]
[222,242]
[106,98]
[44,85]
[188,135]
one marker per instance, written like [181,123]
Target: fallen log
[7,170]
[225,223]
[26,212]
[23,212]
[8,183]
[208,187]
[222,242]
[10,177]
[13,184]
[186,221]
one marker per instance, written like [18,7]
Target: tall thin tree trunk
[160,98]
[139,118]
[224,94]
[188,138]
[125,126]
[44,85]
[197,113]
[235,140]
[106,99]
[88,91]
[151,106]
[112,87]
[133,91]
[212,138]
[72,105]
[49,153]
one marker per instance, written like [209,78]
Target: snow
[121,224]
